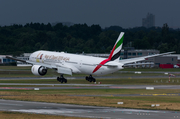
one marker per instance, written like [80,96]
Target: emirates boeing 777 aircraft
[66,63]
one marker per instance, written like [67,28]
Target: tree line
[17,39]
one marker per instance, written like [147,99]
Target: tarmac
[88,86]
[84,111]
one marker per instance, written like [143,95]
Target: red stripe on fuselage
[105,61]
[99,65]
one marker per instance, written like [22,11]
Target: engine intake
[38,70]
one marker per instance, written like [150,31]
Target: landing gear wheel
[94,80]
[58,78]
[87,78]
[90,78]
[65,81]
[61,79]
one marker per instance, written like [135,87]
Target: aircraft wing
[16,59]
[134,60]
[42,64]
[60,69]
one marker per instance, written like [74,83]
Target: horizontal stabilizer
[111,64]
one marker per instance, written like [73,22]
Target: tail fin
[116,51]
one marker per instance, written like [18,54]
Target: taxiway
[84,111]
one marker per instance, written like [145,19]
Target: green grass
[105,97]
[18,115]
[14,68]
[153,69]
[154,99]
[95,91]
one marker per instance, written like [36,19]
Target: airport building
[24,56]
[4,60]
[168,61]
[127,54]
[132,53]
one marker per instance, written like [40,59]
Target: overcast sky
[124,13]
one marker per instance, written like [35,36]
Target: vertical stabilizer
[116,51]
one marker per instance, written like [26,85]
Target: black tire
[87,78]
[58,79]
[61,80]
[65,80]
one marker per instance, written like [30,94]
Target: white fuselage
[77,63]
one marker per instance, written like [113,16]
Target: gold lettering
[52,57]
[46,56]
[67,59]
[38,54]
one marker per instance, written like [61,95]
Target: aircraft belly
[105,71]
[101,71]
[86,69]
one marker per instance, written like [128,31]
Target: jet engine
[38,70]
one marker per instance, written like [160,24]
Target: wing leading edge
[134,60]
[60,69]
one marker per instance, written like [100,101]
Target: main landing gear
[61,79]
[90,78]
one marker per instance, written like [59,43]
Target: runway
[161,75]
[84,111]
[89,86]
[101,86]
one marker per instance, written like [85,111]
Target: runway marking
[164,94]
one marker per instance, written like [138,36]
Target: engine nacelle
[38,70]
